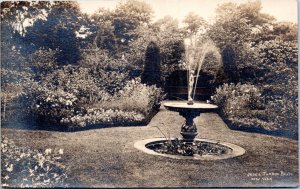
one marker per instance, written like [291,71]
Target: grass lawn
[106,157]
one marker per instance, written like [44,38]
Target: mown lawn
[106,157]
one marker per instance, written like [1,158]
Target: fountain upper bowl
[182,105]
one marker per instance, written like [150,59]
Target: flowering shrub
[43,61]
[23,167]
[78,81]
[74,97]
[284,113]
[241,106]
[93,56]
[101,116]
[137,97]
[111,80]
[245,106]
[63,93]
[108,73]
[133,104]
[54,105]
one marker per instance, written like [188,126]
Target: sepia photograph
[149,94]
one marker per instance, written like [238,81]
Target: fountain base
[203,149]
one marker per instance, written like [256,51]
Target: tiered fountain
[195,55]
[188,147]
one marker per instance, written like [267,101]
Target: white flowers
[22,155]
[48,151]
[69,102]
[36,167]
[61,151]
[10,168]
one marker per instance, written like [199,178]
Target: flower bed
[242,106]
[31,168]
[103,117]
[85,102]
[179,147]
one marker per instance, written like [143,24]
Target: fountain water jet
[195,55]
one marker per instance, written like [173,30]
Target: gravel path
[106,157]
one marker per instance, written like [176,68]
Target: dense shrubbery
[77,97]
[244,107]
[284,113]
[273,68]
[23,167]
[136,96]
[241,105]
[131,105]
[43,61]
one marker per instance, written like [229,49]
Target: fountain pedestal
[189,129]
[189,112]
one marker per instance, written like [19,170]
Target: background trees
[265,55]
[115,29]
[46,44]
[57,32]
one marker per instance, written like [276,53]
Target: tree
[287,31]
[236,24]
[170,40]
[14,16]
[265,54]
[128,16]
[57,32]
[42,62]
[116,29]
[168,37]
[229,64]
[19,13]
[15,70]
[151,72]
[241,27]
[104,38]
[194,24]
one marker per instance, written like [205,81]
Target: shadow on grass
[46,126]
[277,133]
[62,128]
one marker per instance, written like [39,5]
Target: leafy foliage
[43,61]
[244,106]
[57,31]
[137,97]
[194,24]
[25,167]
[128,16]
[133,104]
[179,147]
[241,105]
[74,99]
